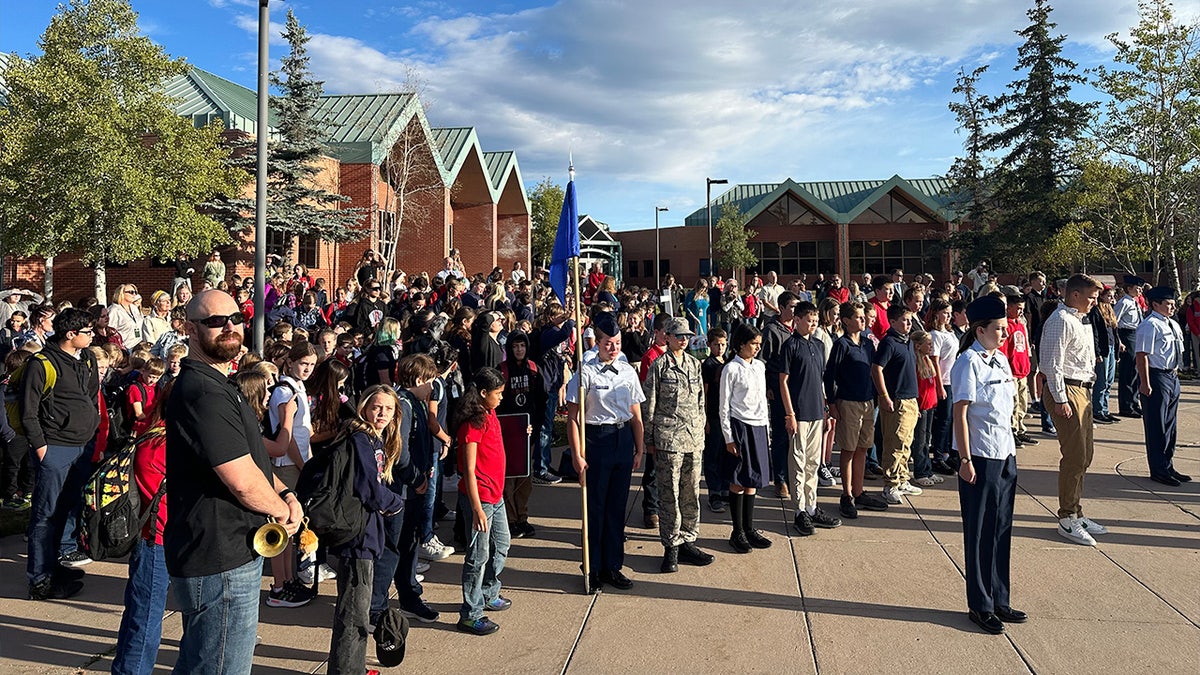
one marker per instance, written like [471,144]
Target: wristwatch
[964,460]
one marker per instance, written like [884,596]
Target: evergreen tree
[93,157]
[296,203]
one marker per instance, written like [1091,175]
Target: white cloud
[652,96]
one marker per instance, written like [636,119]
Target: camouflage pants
[678,477]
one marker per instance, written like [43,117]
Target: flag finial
[570,167]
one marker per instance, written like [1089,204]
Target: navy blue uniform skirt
[751,468]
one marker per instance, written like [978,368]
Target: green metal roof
[362,127]
[839,201]
[497,166]
[454,144]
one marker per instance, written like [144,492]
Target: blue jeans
[398,561]
[943,427]
[57,489]
[220,620]
[145,602]
[428,503]
[922,435]
[1106,371]
[541,453]
[486,552]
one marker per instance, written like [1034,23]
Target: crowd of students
[416,370]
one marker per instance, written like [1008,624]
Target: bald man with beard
[220,490]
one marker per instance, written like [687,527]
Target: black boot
[738,539]
[753,536]
[670,561]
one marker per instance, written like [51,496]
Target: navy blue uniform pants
[1159,411]
[987,515]
[609,473]
[1127,378]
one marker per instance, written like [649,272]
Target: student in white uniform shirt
[743,414]
[1159,353]
[1129,317]
[984,390]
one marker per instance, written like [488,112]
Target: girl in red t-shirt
[929,392]
[481,493]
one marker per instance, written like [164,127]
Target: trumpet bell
[270,540]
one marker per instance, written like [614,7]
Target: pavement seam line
[792,541]
[1011,641]
[579,636]
[1151,490]
[1121,567]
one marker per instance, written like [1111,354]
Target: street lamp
[260,183]
[657,261]
[709,182]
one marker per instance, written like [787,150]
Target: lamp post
[708,183]
[657,260]
[260,183]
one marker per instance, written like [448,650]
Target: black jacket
[69,413]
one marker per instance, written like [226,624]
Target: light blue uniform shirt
[1162,341]
[986,381]
[612,390]
[1129,314]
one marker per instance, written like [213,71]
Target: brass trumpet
[270,539]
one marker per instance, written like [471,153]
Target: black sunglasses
[219,320]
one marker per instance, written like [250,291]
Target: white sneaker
[1093,528]
[938,480]
[306,575]
[327,573]
[422,567]
[925,481]
[1072,529]
[892,495]
[434,550]
[908,488]
[420,578]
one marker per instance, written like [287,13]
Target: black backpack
[112,505]
[326,491]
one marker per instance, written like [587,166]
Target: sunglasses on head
[219,320]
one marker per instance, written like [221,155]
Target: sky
[651,97]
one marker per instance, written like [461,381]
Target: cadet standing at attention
[1129,317]
[1159,353]
[984,392]
[612,425]
[673,414]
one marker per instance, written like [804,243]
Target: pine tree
[296,203]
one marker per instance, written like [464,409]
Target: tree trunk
[101,283]
[48,280]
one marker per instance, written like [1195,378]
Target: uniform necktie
[608,368]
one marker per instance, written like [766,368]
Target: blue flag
[566,243]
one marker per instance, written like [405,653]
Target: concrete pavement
[884,592]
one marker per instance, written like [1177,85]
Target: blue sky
[651,96]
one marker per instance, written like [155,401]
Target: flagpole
[581,424]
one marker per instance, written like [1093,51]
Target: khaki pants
[803,461]
[1075,442]
[898,430]
[516,498]
[1020,406]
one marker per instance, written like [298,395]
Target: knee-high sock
[736,502]
[748,512]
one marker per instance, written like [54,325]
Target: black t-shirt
[803,360]
[381,357]
[710,375]
[209,423]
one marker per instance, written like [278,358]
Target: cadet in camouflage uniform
[673,414]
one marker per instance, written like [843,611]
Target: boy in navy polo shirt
[801,365]
[894,372]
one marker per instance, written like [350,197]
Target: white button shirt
[984,380]
[1067,352]
[1129,314]
[612,389]
[1162,341]
[743,394]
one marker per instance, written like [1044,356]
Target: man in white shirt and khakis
[1068,362]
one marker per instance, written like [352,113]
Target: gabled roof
[503,169]
[362,128]
[455,144]
[839,201]
[594,231]
[204,96]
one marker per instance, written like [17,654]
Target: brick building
[849,227]
[458,194]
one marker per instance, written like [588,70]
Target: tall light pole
[260,183]
[657,260]
[708,183]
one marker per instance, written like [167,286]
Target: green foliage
[296,203]
[93,157]
[730,244]
[545,205]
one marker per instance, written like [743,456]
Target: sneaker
[825,478]
[480,626]
[824,520]
[836,472]
[846,507]
[544,477]
[804,524]
[892,495]
[943,468]
[500,604]
[938,480]
[1093,528]
[925,481]
[327,573]
[1027,439]
[422,567]
[434,550]
[292,594]
[716,504]
[49,589]
[74,559]
[869,502]
[305,575]
[521,530]
[419,577]
[1072,529]
[908,488]
[12,504]
[874,471]
[420,612]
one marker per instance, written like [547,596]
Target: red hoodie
[1016,348]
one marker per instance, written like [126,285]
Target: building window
[648,269]
[910,255]
[705,268]
[633,269]
[794,257]
[892,209]
[309,254]
[279,243]
[664,266]
[787,210]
